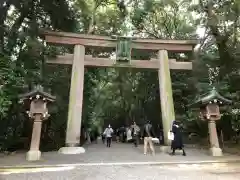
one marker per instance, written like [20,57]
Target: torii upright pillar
[73,132]
[166,98]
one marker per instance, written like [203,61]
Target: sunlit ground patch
[34,170]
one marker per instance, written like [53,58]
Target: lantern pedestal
[216,151]
[33,155]
[71,150]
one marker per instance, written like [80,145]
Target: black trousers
[135,140]
[103,139]
[174,149]
[109,140]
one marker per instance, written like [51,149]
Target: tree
[22,52]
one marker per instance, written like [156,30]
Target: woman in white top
[108,134]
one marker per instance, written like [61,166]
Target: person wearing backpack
[108,134]
[148,134]
[135,133]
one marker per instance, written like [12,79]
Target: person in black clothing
[117,135]
[103,138]
[160,134]
[135,133]
[122,133]
[148,134]
[177,142]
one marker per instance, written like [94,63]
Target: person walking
[148,134]
[135,133]
[103,138]
[160,134]
[117,135]
[177,142]
[129,134]
[122,132]
[108,134]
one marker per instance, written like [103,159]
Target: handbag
[155,140]
[170,136]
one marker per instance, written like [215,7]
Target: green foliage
[22,56]
[5,103]
[161,19]
[10,83]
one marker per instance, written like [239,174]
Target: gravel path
[98,153]
[123,172]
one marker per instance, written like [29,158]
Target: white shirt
[129,134]
[108,132]
[136,129]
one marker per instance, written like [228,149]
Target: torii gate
[79,60]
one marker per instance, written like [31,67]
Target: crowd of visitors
[133,134]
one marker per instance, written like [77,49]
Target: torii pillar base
[33,155]
[71,150]
[216,151]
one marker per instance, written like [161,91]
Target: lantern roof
[212,96]
[37,92]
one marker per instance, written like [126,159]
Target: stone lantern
[209,105]
[38,112]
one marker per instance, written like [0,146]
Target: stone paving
[99,153]
[102,163]
[123,172]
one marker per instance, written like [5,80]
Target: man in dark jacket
[148,134]
[122,133]
[177,142]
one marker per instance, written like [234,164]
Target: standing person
[108,134]
[95,135]
[148,134]
[177,142]
[121,133]
[117,135]
[161,138]
[103,138]
[125,134]
[135,133]
[129,134]
[160,134]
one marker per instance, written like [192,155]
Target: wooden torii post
[79,60]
